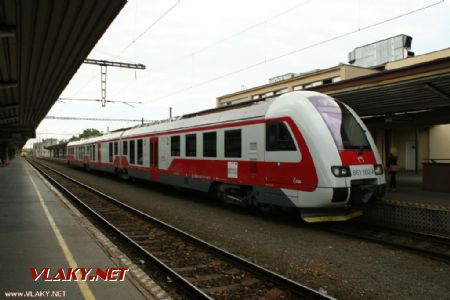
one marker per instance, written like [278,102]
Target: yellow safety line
[333,218]
[85,290]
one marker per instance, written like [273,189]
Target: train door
[281,155]
[154,157]
[410,158]
[253,156]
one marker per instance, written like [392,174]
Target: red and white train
[302,150]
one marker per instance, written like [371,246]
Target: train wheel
[266,209]
[124,174]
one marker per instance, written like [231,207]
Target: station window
[278,137]
[327,81]
[233,143]
[132,161]
[191,145]
[110,152]
[175,145]
[116,148]
[125,148]
[210,144]
[139,152]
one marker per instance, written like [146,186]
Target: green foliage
[89,132]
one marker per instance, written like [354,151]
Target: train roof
[245,111]
[252,111]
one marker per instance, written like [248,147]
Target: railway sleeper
[191,268]
[203,278]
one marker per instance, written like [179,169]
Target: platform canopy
[413,96]
[42,44]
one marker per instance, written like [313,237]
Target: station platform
[38,231]
[410,193]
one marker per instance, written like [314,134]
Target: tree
[89,132]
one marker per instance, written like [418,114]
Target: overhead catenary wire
[229,37]
[54,133]
[135,39]
[96,119]
[148,28]
[295,51]
[129,103]
[238,33]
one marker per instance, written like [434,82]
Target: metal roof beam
[7,32]
[9,120]
[16,129]
[8,107]
[8,84]
[436,91]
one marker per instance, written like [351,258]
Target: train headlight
[378,169]
[340,171]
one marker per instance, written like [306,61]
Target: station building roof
[60,146]
[413,89]
[42,44]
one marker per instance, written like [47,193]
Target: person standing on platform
[393,168]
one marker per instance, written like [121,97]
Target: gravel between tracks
[346,268]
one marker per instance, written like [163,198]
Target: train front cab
[349,167]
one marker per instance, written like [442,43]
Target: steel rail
[186,285]
[296,288]
[388,236]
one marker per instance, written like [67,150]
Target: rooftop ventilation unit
[381,52]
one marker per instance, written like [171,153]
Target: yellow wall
[400,138]
[348,72]
[440,141]
[418,59]
[342,71]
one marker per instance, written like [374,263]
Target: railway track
[201,269]
[431,246]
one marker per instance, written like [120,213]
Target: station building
[40,148]
[403,99]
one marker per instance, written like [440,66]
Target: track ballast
[203,270]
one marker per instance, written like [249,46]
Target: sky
[197,50]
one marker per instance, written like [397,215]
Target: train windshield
[346,131]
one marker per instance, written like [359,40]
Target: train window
[278,137]
[345,129]
[139,152]
[210,144]
[175,145]
[93,152]
[116,148]
[125,148]
[132,152]
[110,152]
[233,142]
[191,145]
